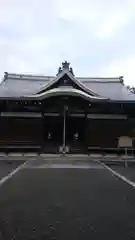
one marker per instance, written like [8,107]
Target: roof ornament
[71,71]
[121,79]
[5,76]
[59,70]
[65,66]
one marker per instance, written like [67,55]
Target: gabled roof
[68,91]
[17,86]
[76,81]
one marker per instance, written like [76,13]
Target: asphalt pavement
[66,203]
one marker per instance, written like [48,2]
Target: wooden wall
[17,130]
[105,133]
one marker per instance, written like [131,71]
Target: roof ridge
[100,81]
[46,77]
[35,75]
[26,75]
[99,77]
[30,77]
[10,76]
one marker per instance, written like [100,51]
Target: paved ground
[128,172]
[6,167]
[67,202]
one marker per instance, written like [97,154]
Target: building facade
[65,113]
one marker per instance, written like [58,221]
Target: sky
[96,36]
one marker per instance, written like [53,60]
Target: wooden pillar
[43,132]
[86,133]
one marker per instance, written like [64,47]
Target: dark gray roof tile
[22,85]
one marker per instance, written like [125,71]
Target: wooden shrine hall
[65,113]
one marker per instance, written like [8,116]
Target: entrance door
[65,133]
[75,134]
[53,132]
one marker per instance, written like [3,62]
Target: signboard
[125,141]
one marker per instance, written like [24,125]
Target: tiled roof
[16,85]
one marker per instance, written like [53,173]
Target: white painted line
[3,154]
[61,166]
[119,176]
[4,179]
[68,165]
[15,155]
[94,157]
[30,154]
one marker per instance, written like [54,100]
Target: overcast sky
[96,36]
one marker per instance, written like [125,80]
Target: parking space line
[131,183]
[11,174]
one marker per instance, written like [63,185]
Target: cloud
[122,67]
[112,24]
[96,36]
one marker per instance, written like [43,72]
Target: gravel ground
[66,204]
